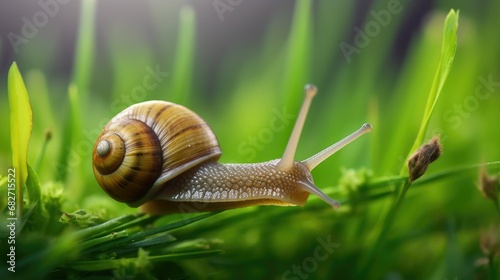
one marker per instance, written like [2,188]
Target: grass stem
[43,149]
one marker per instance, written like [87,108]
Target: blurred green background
[239,64]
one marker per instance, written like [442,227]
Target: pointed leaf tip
[20,128]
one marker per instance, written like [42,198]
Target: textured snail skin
[215,186]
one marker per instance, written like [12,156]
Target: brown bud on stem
[490,241]
[488,185]
[48,134]
[420,160]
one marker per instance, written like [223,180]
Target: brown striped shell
[146,145]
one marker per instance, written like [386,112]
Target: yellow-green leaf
[20,127]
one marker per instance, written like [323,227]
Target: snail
[163,157]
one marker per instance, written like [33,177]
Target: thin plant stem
[388,221]
[497,207]
[41,155]
[492,273]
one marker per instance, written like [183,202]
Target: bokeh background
[239,64]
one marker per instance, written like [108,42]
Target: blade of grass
[157,240]
[43,125]
[189,245]
[383,182]
[298,48]
[20,125]
[103,239]
[34,195]
[379,184]
[182,69]
[112,226]
[27,212]
[75,127]
[113,264]
[82,68]
[447,55]
[144,234]
[446,61]
[41,154]
[72,129]
[454,171]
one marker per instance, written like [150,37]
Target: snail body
[163,157]
[217,186]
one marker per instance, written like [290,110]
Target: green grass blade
[182,69]
[72,129]
[103,239]
[114,264]
[20,124]
[45,125]
[298,53]
[454,172]
[61,165]
[110,226]
[28,211]
[3,180]
[145,234]
[161,239]
[84,49]
[446,61]
[33,186]
[72,132]
[41,154]
[76,127]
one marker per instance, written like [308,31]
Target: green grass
[84,51]
[387,227]
[183,62]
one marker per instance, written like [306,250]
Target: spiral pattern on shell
[146,145]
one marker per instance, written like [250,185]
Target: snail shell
[148,144]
